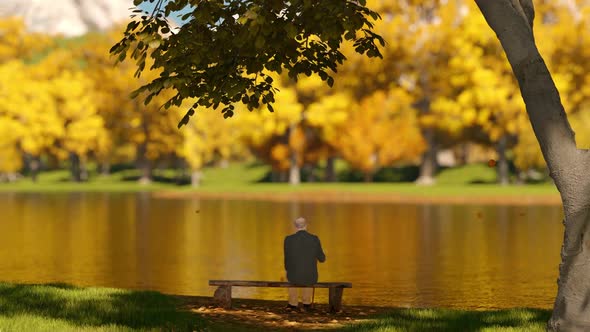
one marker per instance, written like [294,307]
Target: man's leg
[306,295]
[293,296]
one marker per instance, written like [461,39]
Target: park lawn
[61,307]
[470,180]
[401,320]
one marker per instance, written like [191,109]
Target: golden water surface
[466,256]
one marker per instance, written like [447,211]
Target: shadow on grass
[96,307]
[455,320]
[160,179]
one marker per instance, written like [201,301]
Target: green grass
[476,179]
[60,307]
[455,320]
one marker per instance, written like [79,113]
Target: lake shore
[516,199]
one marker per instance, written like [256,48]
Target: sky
[146,5]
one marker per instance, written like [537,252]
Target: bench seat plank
[252,283]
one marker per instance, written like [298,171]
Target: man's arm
[285,253]
[320,255]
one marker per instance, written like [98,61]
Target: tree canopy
[258,37]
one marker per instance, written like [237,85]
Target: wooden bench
[223,292]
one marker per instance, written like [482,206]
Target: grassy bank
[57,307]
[471,180]
[68,308]
[455,320]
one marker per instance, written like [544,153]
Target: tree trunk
[310,170]
[105,168]
[75,167]
[83,171]
[429,164]
[463,154]
[275,176]
[502,175]
[368,176]
[196,177]
[294,171]
[144,165]
[224,163]
[33,164]
[283,176]
[512,20]
[330,175]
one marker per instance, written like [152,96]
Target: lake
[457,256]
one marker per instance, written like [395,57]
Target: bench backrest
[252,283]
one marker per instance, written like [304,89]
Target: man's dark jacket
[302,251]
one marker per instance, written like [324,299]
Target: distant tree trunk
[330,175]
[294,170]
[196,177]
[144,164]
[429,164]
[224,163]
[463,155]
[181,171]
[283,176]
[33,164]
[512,20]
[75,168]
[310,170]
[502,174]
[368,176]
[275,175]
[105,168]
[83,170]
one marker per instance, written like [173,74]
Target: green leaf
[259,43]
[330,81]
[291,30]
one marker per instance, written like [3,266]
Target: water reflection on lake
[401,255]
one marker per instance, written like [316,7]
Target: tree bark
[429,164]
[310,170]
[196,177]
[330,175]
[33,164]
[294,170]
[502,175]
[368,176]
[144,165]
[512,20]
[75,170]
[105,168]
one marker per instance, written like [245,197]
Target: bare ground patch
[273,315]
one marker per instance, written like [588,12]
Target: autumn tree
[209,138]
[269,134]
[147,128]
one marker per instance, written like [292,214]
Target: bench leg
[222,296]
[335,296]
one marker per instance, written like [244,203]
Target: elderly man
[302,251]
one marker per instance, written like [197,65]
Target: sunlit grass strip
[244,177]
[455,320]
[68,308]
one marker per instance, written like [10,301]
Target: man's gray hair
[300,223]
